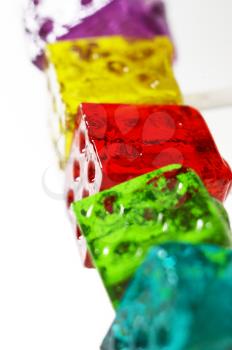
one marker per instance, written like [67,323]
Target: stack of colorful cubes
[144,178]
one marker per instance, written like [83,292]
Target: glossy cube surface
[180,298]
[109,70]
[49,21]
[121,224]
[114,143]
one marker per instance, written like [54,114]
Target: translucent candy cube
[115,143]
[123,223]
[180,298]
[106,70]
[48,21]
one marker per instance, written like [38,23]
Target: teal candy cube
[180,299]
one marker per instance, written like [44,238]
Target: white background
[47,301]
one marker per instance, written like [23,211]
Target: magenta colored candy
[87,18]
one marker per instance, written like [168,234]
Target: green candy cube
[121,224]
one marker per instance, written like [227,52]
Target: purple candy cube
[71,19]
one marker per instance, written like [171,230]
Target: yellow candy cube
[107,70]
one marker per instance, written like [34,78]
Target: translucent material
[180,298]
[115,143]
[49,21]
[121,224]
[107,70]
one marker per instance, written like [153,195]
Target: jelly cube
[180,298]
[49,21]
[114,143]
[109,70]
[121,224]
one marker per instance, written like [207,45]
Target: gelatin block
[121,224]
[115,143]
[180,298]
[67,20]
[107,70]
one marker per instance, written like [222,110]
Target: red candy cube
[114,143]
